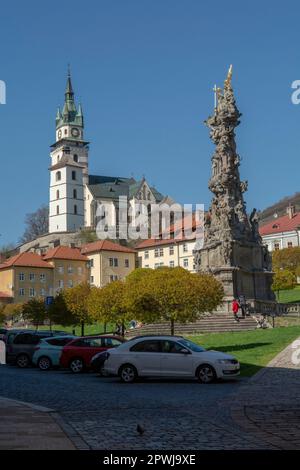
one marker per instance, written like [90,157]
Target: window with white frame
[171,264]
[31,292]
[70,283]
[43,277]
[156,253]
[113,278]
[70,269]
[185,263]
[60,269]
[116,262]
[146,255]
[185,247]
[21,277]
[61,284]
[21,292]
[161,252]
[79,269]
[42,293]
[126,263]
[31,277]
[171,250]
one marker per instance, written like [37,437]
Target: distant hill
[279,208]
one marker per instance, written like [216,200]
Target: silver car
[169,356]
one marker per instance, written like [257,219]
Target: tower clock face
[59,134]
[75,132]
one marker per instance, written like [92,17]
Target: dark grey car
[20,347]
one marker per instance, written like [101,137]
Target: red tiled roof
[105,245]
[4,295]
[282,224]
[151,242]
[25,259]
[65,252]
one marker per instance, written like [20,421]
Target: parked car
[168,356]
[78,353]
[97,362]
[20,346]
[48,351]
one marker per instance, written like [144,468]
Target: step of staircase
[214,323]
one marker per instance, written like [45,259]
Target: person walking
[235,309]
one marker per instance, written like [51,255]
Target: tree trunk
[82,328]
[172,326]
[105,326]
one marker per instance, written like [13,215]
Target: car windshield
[192,346]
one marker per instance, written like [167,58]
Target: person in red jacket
[235,309]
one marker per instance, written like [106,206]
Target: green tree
[76,300]
[171,294]
[283,280]
[59,314]
[13,311]
[35,311]
[287,259]
[108,304]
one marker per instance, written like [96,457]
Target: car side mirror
[185,351]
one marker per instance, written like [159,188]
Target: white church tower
[69,168]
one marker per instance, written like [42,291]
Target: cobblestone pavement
[245,414]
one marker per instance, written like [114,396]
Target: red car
[77,354]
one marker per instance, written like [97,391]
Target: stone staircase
[214,323]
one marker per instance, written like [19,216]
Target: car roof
[59,337]
[98,336]
[158,337]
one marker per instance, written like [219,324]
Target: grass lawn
[88,329]
[254,349]
[291,295]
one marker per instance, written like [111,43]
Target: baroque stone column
[233,249]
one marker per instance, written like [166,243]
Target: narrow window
[58,176]
[75,209]
[74,193]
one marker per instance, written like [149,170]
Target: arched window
[58,176]
[57,194]
[57,210]
[74,193]
[75,158]
[75,209]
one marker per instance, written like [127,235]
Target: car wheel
[128,373]
[76,365]
[23,361]
[206,374]
[44,363]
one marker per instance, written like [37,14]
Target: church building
[75,195]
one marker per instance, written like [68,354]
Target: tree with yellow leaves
[76,301]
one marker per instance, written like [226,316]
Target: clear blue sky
[144,71]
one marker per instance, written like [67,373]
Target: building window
[126,263]
[66,131]
[156,253]
[146,265]
[57,194]
[92,279]
[111,262]
[171,250]
[79,271]
[58,176]
[75,209]
[75,158]
[276,246]
[57,210]
[161,252]
[31,292]
[73,175]
[91,263]
[70,282]
[146,256]
[21,277]
[290,244]
[22,292]
[185,248]
[171,264]
[60,269]
[61,284]
[31,277]
[43,293]
[74,193]
[70,269]
[43,277]
[158,265]
[116,263]
[113,278]
[185,263]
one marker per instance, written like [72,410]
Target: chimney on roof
[291,210]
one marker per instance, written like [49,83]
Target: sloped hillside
[279,208]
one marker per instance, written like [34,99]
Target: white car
[168,356]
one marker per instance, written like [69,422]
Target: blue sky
[144,71]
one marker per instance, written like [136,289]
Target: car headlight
[228,361]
